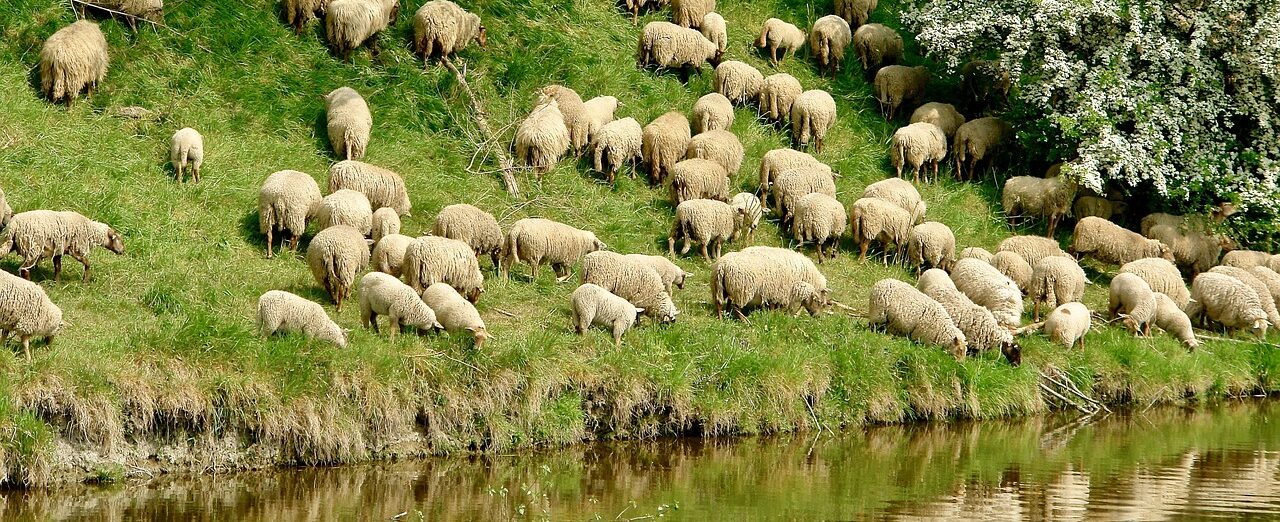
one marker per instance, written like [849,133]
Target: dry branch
[482,121]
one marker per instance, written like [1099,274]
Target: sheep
[1031,248]
[975,253]
[1107,242]
[699,179]
[456,314]
[982,78]
[767,277]
[593,305]
[712,112]
[855,12]
[665,142]
[896,85]
[382,294]
[1170,318]
[749,211]
[671,274]
[828,40]
[1227,301]
[777,161]
[1104,208]
[350,24]
[1068,324]
[1202,223]
[616,143]
[542,138]
[720,146]
[442,28]
[26,310]
[944,115]
[1257,285]
[572,110]
[931,243]
[298,12]
[873,219]
[1015,268]
[597,112]
[382,187]
[877,46]
[714,29]
[899,308]
[990,289]
[1246,258]
[634,7]
[901,193]
[977,140]
[187,146]
[737,81]
[793,184]
[813,114]
[777,93]
[151,10]
[72,60]
[706,221]
[1048,198]
[346,207]
[669,46]
[537,240]
[434,259]
[918,145]
[37,234]
[6,211]
[634,281]
[385,222]
[1132,298]
[349,122]
[388,254]
[821,219]
[472,226]
[335,256]
[981,330]
[1269,278]
[776,34]
[287,200]
[280,311]
[1194,251]
[1162,276]
[690,13]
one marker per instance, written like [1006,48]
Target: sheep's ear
[639,310]
[688,274]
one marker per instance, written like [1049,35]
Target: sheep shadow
[250,230]
[320,131]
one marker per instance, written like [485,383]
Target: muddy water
[1165,463]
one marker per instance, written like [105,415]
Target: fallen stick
[504,312]
[482,121]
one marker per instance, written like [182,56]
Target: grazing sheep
[634,281]
[298,12]
[720,146]
[706,221]
[72,60]
[388,254]
[899,308]
[1048,198]
[1055,280]
[813,113]
[1162,276]
[749,211]
[434,259]
[537,240]
[1031,248]
[187,146]
[777,92]
[975,253]
[1257,285]
[737,81]
[350,24]
[6,211]
[901,193]
[472,226]
[712,112]
[778,161]
[593,305]
[855,12]
[1068,324]
[572,110]
[877,46]
[454,313]
[280,311]
[634,7]
[1015,268]
[714,29]
[382,294]
[828,40]
[671,274]
[287,200]
[1246,258]
[1155,219]
[669,46]
[767,277]
[820,219]
[1132,298]
[597,113]
[616,143]
[1193,251]
[981,330]
[665,142]
[152,10]
[1095,206]
[382,187]
[349,122]
[981,79]
[794,184]
[777,34]
[933,244]
[1269,278]
[977,140]
[690,13]
[918,145]
[1108,242]
[542,138]
[699,179]
[1171,318]
[944,115]
[37,234]
[346,207]
[25,309]
[385,222]
[1227,301]
[896,85]
[442,28]
[335,256]
[878,220]
[990,289]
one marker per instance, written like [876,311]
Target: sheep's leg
[533,270]
[179,170]
[704,252]
[684,250]
[719,245]
[395,327]
[84,260]
[671,247]
[817,143]
[1036,311]
[57,267]
[820,257]
[26,346]
[773,54]
[293,244]
[269,253]
[619,327]
[862,250]
[1053,224]
[195,170]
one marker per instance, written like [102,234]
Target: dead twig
[482,121]
[504,312]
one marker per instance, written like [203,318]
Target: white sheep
[1269,278]
[26,310]
[981,330]
[671,274]
[690,13]
[1015,268]
[1031,248]
[1246,258]
[855,12]
[791,185]
[632,280]
[1227,301]
[990,289]
[899,308]
[665,143]
[187,146]
[975,253]
[39,234]
[749,211]
[1068,324]
[1098,207]
[280,311]
[918,145]
[594,305]
[385,223]
[72,60]
[616,143]
[828,40]
[944,115]
[1048,198]
[706,221]
[1258,286]
[335,256]
[350,24]
[382,294]
[388,254]
[820,219]
[978,140]
[537,240]
[456,314]
[931,244]
[383,187]
[472,226]
[1171,318]
[813,114]
[349,122]
[669,46]
[597,112]
[767,277]
[1055,280]
[873,219]
[737,81]
[298,12]
[346,207]
[898,85]
[1162,276]
[434,259]
[877,46]
[442,28]
[777,161]
[1108,242]
[1194,251]
[712,112]
[287,200]
[574,112]
[716,30]
[699,179]
[777,93]
[900,192]
[720,146]
[152,10]
[542,138]
[776,34]
[1132,299]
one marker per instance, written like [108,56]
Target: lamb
[944,115]
[1246,258]
[1132,298]
[977,140]
[1068,324]
[690,13]
[828,40]
[933,244]
[749,211]
[669,46]
[298,12]
[472,226]
[537,240]
[777,161]
[434,259]
[901,193]
[981,79]
[714,29]
[382,187]
[712,112]
[896,85]
[335,256]
[593,305]
[634,281]
[899,308]
[819,218]
[794,184]
[1104,208]
[616,143]
[37,234]
[990,289]
[346,207]
[1015,268]
[454,313]
[706,221]
[385,222]
[382,294]
[855,12]
[918,145]
[1258,286]
[1162,276]
[720,146]
[542,138]
[187,146]
[737,81]
[388,254]
[1031,248]
[1056,280]
[981,330]
[442,28]
[72,60]
[813,113]
[671,275]
[777,92]
[877,220]
[877,46]
[1108,242]
[280,311]
[597,112]
[665,143]
[767,277]
[573,111]
[976,253]
[699,179]
[350,24]
[1171,318]
[26,310]
[1049,198]
[349,121]
[1227,301]
[1194,251]
[777,34]
[287,200]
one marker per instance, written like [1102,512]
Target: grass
[162,344]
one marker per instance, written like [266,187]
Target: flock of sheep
[964,302]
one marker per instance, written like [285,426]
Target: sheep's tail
[349,142]
[509,251]
[719,295]
[855,223]
[599,158]
[184,153]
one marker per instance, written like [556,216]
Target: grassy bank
[162,346]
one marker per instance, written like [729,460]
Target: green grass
[162,342]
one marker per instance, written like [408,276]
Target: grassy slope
[163,337]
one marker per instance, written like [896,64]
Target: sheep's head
[1192,343]
[473,294]
[958,347]
[1259,327]
[395,12]
[480,334]
[680,279]
[668,311]
[482,36]
[596,243]
[639,313]
[1163,249]
[114,243]
[1012,352]
[1130,323]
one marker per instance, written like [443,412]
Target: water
[1166,463]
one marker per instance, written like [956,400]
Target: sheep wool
[382,187]
[919,146]
[388,254]
[855,12]
[813,114]
[720,146]
[616,143]
[346,207]
[350,24]
[1014,267]
[898,85]
[472,226]
[1055,280]
[72,60]
[1227,301]
[978,140]
[900,192]
[442,28]
[1269,278]
[152,10]
[280,311]
[287,200]
[737,81]
[699,179]
[712,112]
[25,310]
[880,221]
[981,330]
[749,211]
[1132,299]
[931,245]
[1171,318]
[434,259]
[631,280]
[1108,242]
[1162,276]
[592,305]
[766,277]
[828,40]
[899,308]
[1104,208]
[38,234]
[542,138]
[537,240]
[385,222]
[1068,324]
[1048,198]
[877,46]
[665,143]
[690,13]
[819,219]
[1193,251]
[572,109]
[1031,248]
[706,221]
[298,12]
[349,122]
[672,275]
[794,184]
[990,289]
[714,29]
[382,294]
[1246,258]
[335,256]
[777,93]
[944,115]
[6,211]
[777,34]
[454,313]
[187,147]
[778,161]
[598,112]
[975,253]
[669,46]
[1258,286]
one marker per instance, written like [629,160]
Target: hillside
[162,346]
